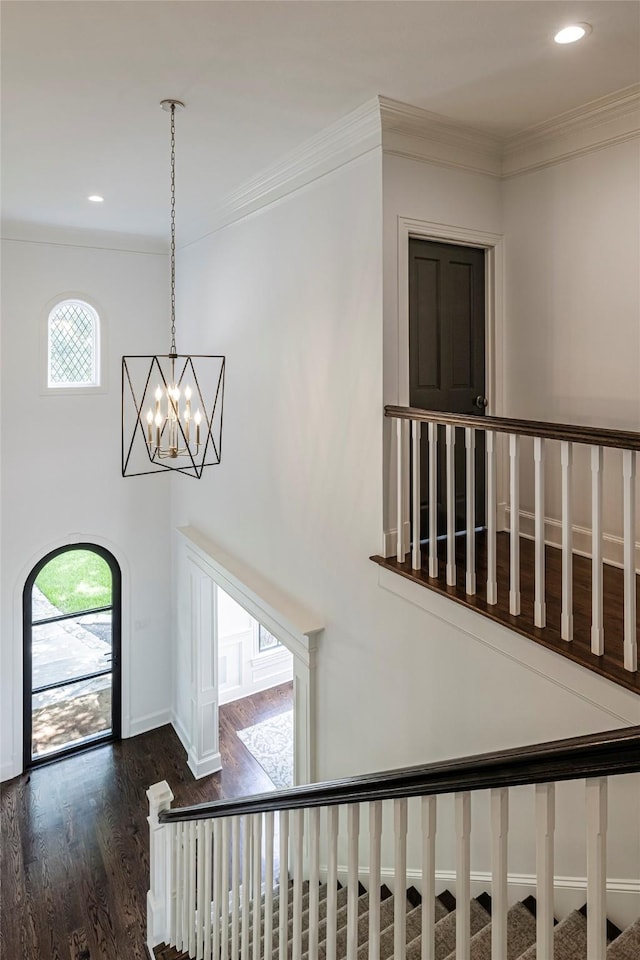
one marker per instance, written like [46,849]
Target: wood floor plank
[75,839]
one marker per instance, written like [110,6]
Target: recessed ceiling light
[575,31]
[95,198]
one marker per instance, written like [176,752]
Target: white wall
[61,475]
[292,295]
[572,350]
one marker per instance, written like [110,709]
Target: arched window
[72,627]
[73,346]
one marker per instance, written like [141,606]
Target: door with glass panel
[72,614]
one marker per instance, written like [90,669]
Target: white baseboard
[390,538]
[202,768]
[570,893]
[10,770]
[181,732]
[149,722]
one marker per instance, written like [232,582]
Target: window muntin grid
[73,345]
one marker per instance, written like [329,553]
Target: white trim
[592,126]
[622,706]
[295,626]
[150,721]
[613,546]
[16,231]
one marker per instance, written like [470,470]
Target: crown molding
[412,132]
[347,139]
[593,126]
[27,232]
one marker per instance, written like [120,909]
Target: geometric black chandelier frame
[172,403]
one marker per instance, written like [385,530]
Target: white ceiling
[81,84]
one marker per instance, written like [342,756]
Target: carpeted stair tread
[414,927]
[569,940]
[445,938]
[627,945]
[341,926]
[163,952]
[521,933]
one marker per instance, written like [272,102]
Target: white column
[332,881]
[353,828]
[450,433]
[499,871]
[470,445]
[433,499]
[463,875]
[597,625]
[428,877]
[400,879]
[400,511]
[596,800]
[566,618]
[629,498]
[514,506]
[539,603]
[159,896]
[545,828]
[416,559]
[375,836]
[314,875]
[492,499]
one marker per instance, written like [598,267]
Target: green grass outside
[76,580]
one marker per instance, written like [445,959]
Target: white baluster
[450,433]
[257,885]
[213,835]
[416,558]
[463,875]
[400,879]
[470,445]
[400,492]
[566,619]
[596,801]
[174,881]
[353,827]
[161,844]
[514,496]
[545,828]
[181,891]
[428,877]
[499,871]
[597,623]
[314,879]
[375,836]
[191,909]
[224,892]
[492,499]
[235,888]
[332,880]
[433,499]
[298,852]
[629,497]
[201,911]
[539,603]
[268,884]
[283,889]
[245,915]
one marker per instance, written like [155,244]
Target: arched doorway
[72,630]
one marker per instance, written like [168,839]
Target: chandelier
[171,403]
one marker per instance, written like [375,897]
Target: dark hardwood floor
[74,854]
[579,650]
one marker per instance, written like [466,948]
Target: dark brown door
[447,355]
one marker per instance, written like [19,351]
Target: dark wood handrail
[597,436]
[595,755]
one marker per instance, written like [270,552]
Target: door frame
[116,665]
[492,243]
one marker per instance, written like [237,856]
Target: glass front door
[72,641]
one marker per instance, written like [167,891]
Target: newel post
[159,894]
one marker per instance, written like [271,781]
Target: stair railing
[408,492]
[215,866]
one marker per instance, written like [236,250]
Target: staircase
[260,877]
[569,938]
